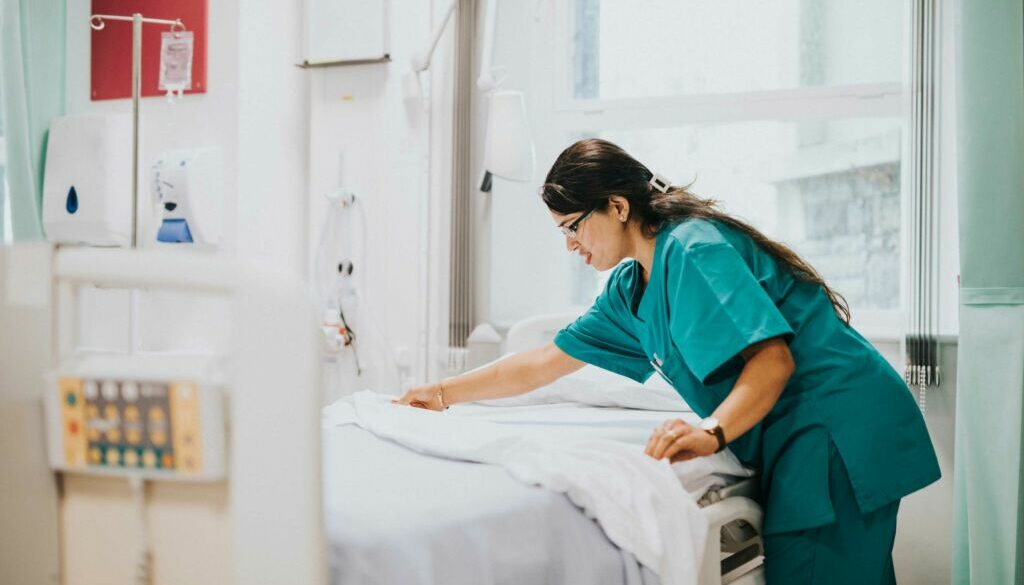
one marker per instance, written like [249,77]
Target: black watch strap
[719,434]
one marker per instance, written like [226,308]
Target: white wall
[255,111]
[209,119]
[367,137]
[272,136]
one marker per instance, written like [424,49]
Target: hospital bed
[396,516]
[310,504]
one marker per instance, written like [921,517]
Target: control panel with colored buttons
[152,427]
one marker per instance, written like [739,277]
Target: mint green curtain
[32,34]
[988,481]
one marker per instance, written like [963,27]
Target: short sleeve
[603,337]
[717,309]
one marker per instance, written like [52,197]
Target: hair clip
[660,183]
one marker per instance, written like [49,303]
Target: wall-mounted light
[508,145]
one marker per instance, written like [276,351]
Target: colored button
[131,413]
[158,438]
[167,462]
[92,422]
[91,390]
[73,427]
[157,426]
[109,390]
[113,422]
[71,398]
[130,391]
[133,436]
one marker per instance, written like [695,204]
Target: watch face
[709,423]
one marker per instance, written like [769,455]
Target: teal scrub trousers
[856,549]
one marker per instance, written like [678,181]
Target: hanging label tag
[176,61]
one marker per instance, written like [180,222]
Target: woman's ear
[619,207]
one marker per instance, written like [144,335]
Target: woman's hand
[427,397]
[679,441]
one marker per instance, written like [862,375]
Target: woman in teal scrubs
[754,341]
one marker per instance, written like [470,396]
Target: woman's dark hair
[588,173]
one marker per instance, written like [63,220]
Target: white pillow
[597,387]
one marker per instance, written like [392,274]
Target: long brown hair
[588,173]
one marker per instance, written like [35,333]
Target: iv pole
[96,21]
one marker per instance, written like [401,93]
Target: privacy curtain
[989,514]
[32,44]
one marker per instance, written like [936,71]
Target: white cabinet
[337,31]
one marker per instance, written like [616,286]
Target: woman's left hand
[679,441]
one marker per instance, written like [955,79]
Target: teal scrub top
[713,292]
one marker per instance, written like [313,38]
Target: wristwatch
[710,426]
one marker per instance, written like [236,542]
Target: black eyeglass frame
[570,230]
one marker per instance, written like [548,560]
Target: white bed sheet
[396,516]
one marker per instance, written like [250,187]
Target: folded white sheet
[636,500]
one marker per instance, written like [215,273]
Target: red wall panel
[111,61]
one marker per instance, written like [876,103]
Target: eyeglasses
[570,230]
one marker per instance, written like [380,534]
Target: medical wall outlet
[159,429]
[189,192]
[87,186]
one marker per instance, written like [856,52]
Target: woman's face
[600,237]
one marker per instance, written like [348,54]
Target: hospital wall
[375,131]
[924,533]
[253,110]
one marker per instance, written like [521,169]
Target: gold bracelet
[440,395]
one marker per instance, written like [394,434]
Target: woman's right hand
[422,397]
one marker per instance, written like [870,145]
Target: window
[791,113]
[830,189]
[656,48]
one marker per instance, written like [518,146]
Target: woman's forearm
[510,376]
[758,388]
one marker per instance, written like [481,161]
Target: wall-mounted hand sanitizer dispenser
[87,186]
[188,188]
